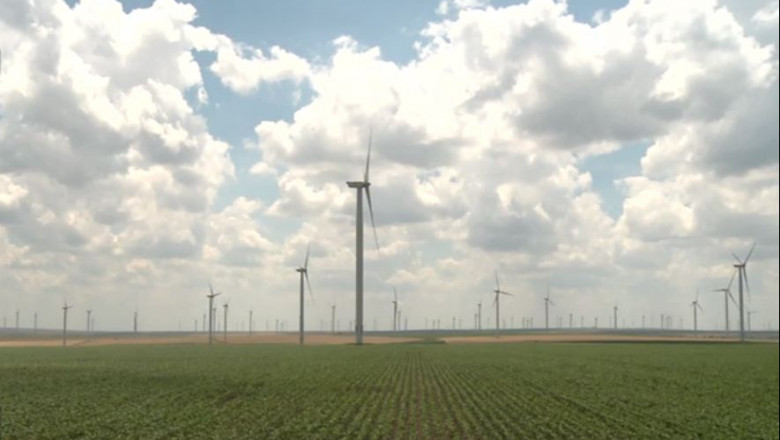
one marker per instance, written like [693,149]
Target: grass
[576,391]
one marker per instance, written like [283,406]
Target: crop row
[387,392]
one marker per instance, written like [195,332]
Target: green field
[513,391]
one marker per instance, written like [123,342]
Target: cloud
[243,69]
[478,143]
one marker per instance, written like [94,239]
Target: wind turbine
[496,301]
[225,321]
[304,271]
[614,314]
[395,309]
[333,318]
[135,321]
[479,315]
[65,308]
[749,314]
[547,303]
[361,185]
[211,297]
[696,307]
[742,268]
[726,296]
[89,315]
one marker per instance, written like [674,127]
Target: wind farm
[459,219]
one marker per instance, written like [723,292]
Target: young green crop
[576,391]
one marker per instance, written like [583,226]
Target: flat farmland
[403,391]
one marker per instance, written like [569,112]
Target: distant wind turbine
[547,303]
[726,295]
[750,313]
[361,185]
[333,318]
[614,314]
[225,306]
[65,308]
[742,268]
[304,271]
[89,316]
[496,300]
[211,297]
[696,307]
[395,309]
[479,315]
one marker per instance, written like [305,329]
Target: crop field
[403,391]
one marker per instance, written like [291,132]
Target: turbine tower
[496,301]
[696,307]
[614,315]
[304,271]
[479,315]
[395,309]
[361,185]
[726,295]
[742,268]
[65,308]
[211,297]
[224,321]
[547,303]
[333,318]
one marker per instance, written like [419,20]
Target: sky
[615,153]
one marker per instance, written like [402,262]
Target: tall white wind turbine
[395,309]
[696,307]
[304,273]
[614,315]
[211,297]
[547,303]
[726,296]
[65,308]
[742,268]
[496,300]
[360,186]
[479,315]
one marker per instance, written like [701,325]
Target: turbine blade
[551,303]
[368,157]
[210,289]
[498,285]
[506,293]
[371,213]
[732,297]
[747,285]
[308,284]
[750,253]
[736,257]
[733,274]
[306,261]
[700,307]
